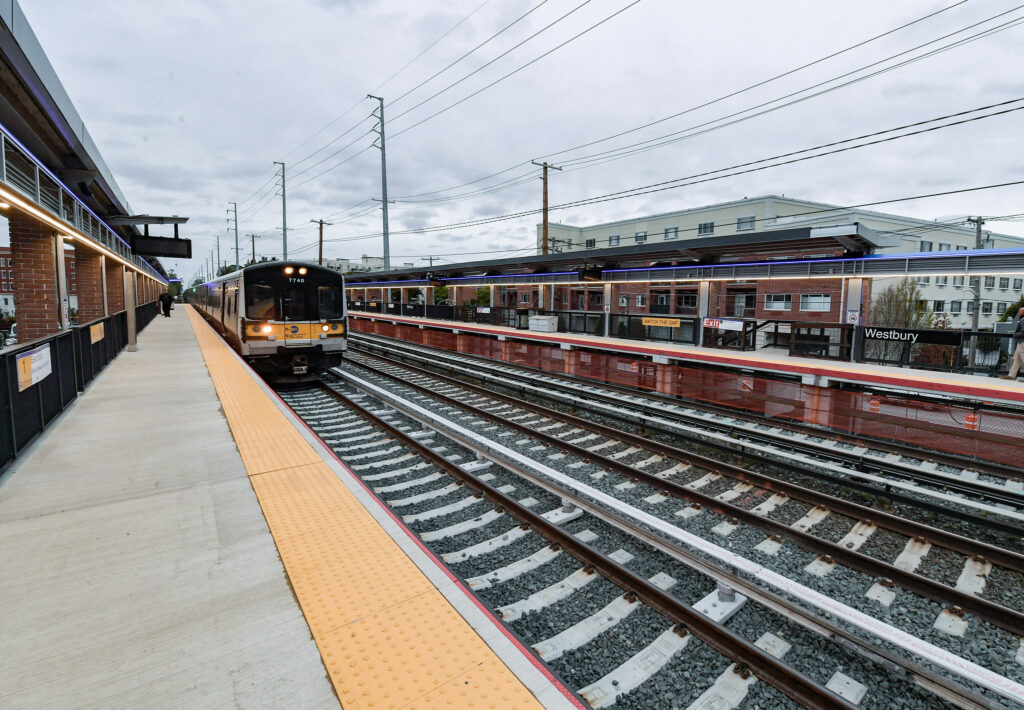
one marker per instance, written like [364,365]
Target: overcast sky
[191,102]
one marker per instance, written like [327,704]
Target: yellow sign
[96,333]
[661,322]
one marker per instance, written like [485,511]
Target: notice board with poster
[33,366]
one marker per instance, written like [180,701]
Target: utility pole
[238,264]
[978,244]
[284,217]
[320,257]
[544,229]
[217,268]
[253,236]
[383,180]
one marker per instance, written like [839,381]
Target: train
[288,320]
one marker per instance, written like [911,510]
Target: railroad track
[987,497]
[600,631]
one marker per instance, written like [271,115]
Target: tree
[900,305]
[1011,312]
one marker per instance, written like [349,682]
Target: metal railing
[29,404]
[935,349]
[23,173]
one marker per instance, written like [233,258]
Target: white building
[944,295]
[366,263]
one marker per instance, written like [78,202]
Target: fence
[935,349]
[39,379]
[958,429]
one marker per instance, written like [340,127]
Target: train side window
[259,299]
[330,303]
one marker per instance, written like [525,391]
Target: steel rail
[743,449]
[998,615]
[987,467]
[781,676]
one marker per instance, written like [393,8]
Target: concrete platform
[138,569]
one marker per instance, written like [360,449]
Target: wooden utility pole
[320,258]
[253,237]
[544,228]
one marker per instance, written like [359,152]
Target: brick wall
[89,277]
[35,277]
[795,288]
[115,285]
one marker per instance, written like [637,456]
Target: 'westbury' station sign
[903,335]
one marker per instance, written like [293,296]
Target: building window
[744,223]
[970,307]
[1004,282]
[5,285]
[705,228]
[641,300]
[926,245]
[943,246]
[924,279]
[598,299]
[686,300]
[815,302]
[941,280]
[72,264]
[613,241]
[990,282]
[961,247]
[954,306]
[74,287]
[1018,284]
[524,298]
[986,308]
[591,243]
[3,274]
[661,299]
[623,301]
[778,302]
[640,237]
[958,281]
[939,306]
[671,232]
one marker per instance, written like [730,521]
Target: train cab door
[294,306]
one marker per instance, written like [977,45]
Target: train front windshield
[311,296]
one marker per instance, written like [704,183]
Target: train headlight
[303,270]
[266,329]
[325,328]
[289,270]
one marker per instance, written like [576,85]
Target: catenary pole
[978,244]
[238,262]
[284,217]
[383,181]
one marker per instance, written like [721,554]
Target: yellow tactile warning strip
[387,636]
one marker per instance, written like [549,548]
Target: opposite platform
[967,387]
[138,570]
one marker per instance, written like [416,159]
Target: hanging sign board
[33,366]
[723,323]
[96,333]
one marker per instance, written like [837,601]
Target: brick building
[8,305]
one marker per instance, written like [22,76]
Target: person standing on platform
[1018,347]
[165,302]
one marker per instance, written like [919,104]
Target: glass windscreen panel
[295,301]
[330,302]
[259,300]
